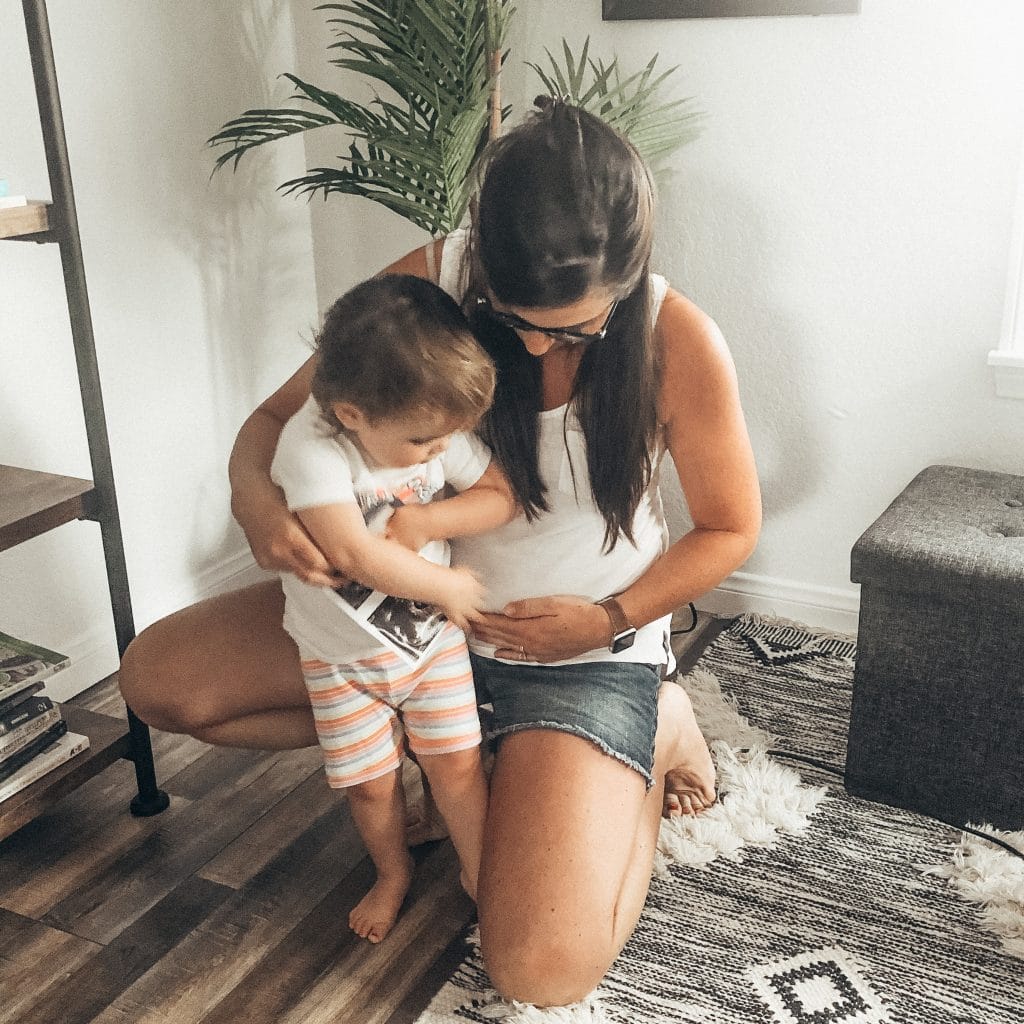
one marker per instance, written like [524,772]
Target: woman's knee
[542,966]
[211,662]
[161,685]
[142,682]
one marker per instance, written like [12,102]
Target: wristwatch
[623,634]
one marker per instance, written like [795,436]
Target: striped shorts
[363,710]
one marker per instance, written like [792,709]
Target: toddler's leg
[460,790]
[361,740]
[443,727]
[378,809]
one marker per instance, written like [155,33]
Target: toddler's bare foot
[375,914]
[690,782]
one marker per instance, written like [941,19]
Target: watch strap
[620,624]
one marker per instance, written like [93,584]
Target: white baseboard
[93,657]
[828,608]
[93,653]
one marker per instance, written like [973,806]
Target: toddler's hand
[463,600]
[408,527]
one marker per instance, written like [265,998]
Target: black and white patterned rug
[798,904]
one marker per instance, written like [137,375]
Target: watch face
[623,641]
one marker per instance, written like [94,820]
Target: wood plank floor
[229,907]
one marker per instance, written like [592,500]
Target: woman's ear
[350,416]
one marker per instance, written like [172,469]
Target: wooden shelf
[32,503]
[25,220]
[108,741]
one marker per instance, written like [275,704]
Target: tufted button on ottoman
[937,723]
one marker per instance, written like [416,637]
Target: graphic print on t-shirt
[377,506]
[416,491]
[410,626]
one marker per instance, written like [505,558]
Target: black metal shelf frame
[63,230]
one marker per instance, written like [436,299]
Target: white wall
[201,293]
[846,218]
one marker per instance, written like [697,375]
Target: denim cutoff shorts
[614,704]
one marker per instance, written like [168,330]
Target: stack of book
[34,738]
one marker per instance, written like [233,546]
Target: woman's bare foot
[424,824]
[690,782]
[375,914]
[423,821]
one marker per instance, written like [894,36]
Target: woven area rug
[799,904]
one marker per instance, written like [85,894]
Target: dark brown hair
[397,344]
[566,208]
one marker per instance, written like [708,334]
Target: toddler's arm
[339,531]
[489,503]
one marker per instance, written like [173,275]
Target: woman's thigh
[222,659]
[567,824]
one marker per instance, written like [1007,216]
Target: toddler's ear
[351,417]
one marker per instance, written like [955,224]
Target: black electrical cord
[693,623]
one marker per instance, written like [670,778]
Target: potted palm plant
[435,68]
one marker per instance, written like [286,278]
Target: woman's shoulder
[439,261]
[694,357]
[682,328]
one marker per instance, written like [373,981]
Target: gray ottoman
[937,724]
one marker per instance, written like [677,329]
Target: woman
[601,368]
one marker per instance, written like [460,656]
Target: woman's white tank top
[561,551]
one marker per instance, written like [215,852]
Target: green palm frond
[412,147]
[627,103]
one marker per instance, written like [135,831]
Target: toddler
[399,384]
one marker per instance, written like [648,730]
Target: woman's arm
[277,538]
[707,437]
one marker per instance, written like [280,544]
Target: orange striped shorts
[364,710]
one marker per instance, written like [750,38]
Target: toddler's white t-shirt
[316,467]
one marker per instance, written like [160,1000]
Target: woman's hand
[280,543]
[544,628]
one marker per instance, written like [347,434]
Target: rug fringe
[718,714]
[992,878]
[490,1006]
[759,800]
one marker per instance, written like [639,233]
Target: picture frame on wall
[636,10]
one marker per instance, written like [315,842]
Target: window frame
[1007,361]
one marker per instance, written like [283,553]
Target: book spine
[67,747]
[23,712]
[11,764]
[13,701]
[21,737]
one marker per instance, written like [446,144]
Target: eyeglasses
[567,335]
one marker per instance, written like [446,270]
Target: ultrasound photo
[410,625]
[354,593]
